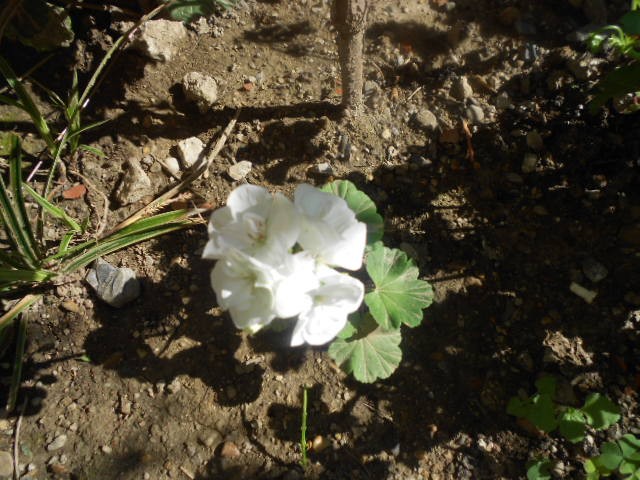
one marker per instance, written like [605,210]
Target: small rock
[210,439]
[57,443]
[189,151]
[230,450]
[70,306]
[106,449]
[200,89]
[426,119]
[529,163]
[534,140]
[386,134]
[125,405]
[175,386]
[594,270]
[240,170]
[159,39]
[115,286]
[584,293]
[319,443]
[503,101]
[324,168]
[135,184]
[460,89]
[6,464]
[474,114]
[172,165]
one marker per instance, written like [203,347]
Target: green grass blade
[24,303]
[96,151]
[10,101]
[64,243]
[16,376]
[91,126]
[115,244]
[11,276]
[27,103]
[52,209]
[12,260]
[153,222]
[13,229]
[15,174]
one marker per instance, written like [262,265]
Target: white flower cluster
[261,274]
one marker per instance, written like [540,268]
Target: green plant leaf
[11,276]
[518,407]
[362,206]
[546,385]
[399,297]
[543,413]
[371,353]
[601,412]
[622,80]
[572,425]
[52,210]
[188,10]
[609,459]
[590,469]
[630,447]
[630,22]
[540,470]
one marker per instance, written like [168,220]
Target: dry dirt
[172,390]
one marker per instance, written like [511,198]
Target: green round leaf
[609,458]
[601,412]
[540,470]
[517,407]
[543,413]
[362,206]
[572,425]
[399,297]
[371,353]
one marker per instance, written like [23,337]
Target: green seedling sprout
[303,429]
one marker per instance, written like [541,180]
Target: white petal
[255,314]
[248,196]
[291,294]
[330,230]
[337,296]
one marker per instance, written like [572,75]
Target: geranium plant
[283,259]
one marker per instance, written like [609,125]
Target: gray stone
[210,439]
[324,168]
[474,114]
[529,163]
[57,443]
[135,184]
[6,465]
[200,89]
[160,39]
[460,89]
[594,270]
[115,286]
[240,170]
[189,151]
[503,101]
[426,119]
[534,140]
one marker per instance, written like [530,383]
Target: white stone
[189,150]
[57,443]
[240,170]
[200,89]
[172,165]
[6,465]
[160,39]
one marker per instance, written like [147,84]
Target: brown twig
[198,170]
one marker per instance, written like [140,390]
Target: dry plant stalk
[349,18]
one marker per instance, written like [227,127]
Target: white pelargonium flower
[330,230]
[262,225]
[245,287]
[337,296]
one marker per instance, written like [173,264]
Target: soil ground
[172,390]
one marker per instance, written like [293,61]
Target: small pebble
[240,170]
[106,449]
[57,443]
[324,168]
[594,270]
[6,464]
[230,450]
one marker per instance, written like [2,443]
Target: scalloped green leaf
[630,447]
[601,412]
[362,206]
[543,413]
[371,353]
[540,470]
[546,385]
[609,459]
[399,297]
[572,425]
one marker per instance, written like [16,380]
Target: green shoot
[303,428]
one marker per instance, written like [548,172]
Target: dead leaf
[75,192]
